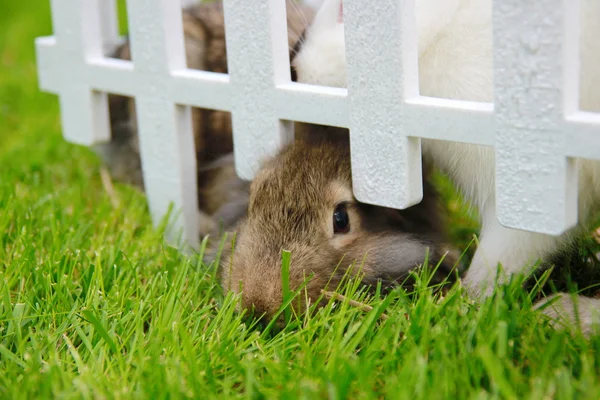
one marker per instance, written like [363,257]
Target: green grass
[93,303]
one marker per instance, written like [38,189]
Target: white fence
[259,94]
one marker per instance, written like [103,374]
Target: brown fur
[291,206]
[204,35]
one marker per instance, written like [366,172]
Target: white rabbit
[455,62]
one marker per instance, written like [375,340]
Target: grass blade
[91,318]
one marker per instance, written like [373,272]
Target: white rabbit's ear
[328,16]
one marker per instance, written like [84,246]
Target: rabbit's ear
[330,14]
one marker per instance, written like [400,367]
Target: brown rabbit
[223,197]
[301,200]
[204,35]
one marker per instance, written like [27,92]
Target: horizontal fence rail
[536,190]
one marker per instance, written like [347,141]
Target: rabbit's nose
[262,317]
[263,322]
[255,313]
[258,320]
[260,307]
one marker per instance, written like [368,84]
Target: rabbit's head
[301,201]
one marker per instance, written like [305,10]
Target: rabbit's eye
[341,220]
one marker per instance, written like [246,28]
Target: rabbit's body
[222,196]
[455,61]
[293,204]
[204,40]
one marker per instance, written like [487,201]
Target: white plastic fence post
[165,129]
[381,51]
[77,38]
[536,182]
[257,52]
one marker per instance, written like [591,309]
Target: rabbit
[301,201]
[455,61]
[224,198]
[204,35]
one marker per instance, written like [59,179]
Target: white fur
[313,3]
[455,61]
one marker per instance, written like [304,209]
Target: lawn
[94,304]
